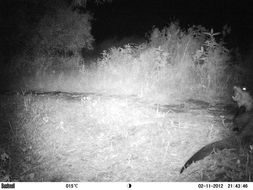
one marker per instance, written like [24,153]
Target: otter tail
[210,148]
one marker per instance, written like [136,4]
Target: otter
[243,125]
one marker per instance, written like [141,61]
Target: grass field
[99,137]
[135,113]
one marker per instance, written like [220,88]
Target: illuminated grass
[120,132]
[171,64]
[108,138]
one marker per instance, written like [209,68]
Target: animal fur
[208,149]
[243,98]
[243,122]
[245,104]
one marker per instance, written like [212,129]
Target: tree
[62,31]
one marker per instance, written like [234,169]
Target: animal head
[243,98]
[238,93]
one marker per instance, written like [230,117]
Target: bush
[56,41]
[63,33]
[174,63]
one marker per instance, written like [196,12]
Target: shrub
[63,32]
[174,63]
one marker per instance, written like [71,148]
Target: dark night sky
[136,17]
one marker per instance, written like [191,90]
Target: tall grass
[172,65]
